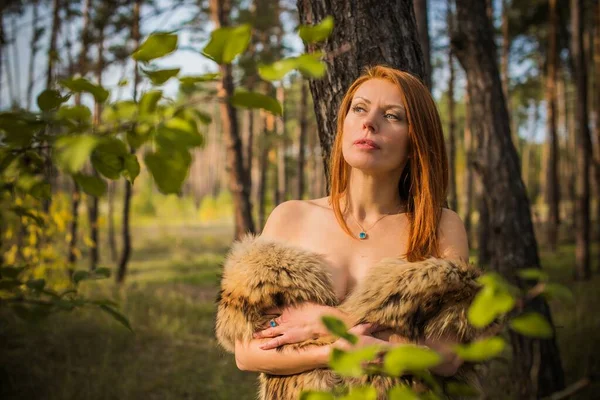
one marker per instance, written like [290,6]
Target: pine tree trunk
[583,144]
[49,170]
[505,48]
[125,224]
[238,179]
[94,212]
[33,52]
[302,138]
[112,241]
[281,191]
[263,163]
[552,193]
[597,106]
[371,44]
[452,193]
[483,229]
[469,172]
[2,42]
[513,245]
[422,21]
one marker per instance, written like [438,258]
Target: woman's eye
[357,108]
[392,116]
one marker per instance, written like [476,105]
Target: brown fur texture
[414,300]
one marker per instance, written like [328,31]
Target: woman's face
[375,136]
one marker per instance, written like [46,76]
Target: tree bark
[263,163]
[505,47]
[112,242]
[370,43]
[33,50]
[238,179]
[583,145]
[302,138]
[422,21]
[597,106]
[452,193]
[125,224]
[282,182]
[514,246]
[468,140]
[94,252]
[552,193]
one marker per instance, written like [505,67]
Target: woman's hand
[296,324]
[364,333]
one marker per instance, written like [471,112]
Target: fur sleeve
[259,274]
[420,299]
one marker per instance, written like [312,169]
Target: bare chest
[350,259]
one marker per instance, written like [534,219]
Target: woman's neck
[371,196]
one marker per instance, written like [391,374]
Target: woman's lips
[366,144]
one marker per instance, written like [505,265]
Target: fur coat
[427,299]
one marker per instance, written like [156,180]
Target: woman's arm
[250,357]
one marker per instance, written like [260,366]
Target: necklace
[363,233]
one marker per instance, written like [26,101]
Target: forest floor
[169,299]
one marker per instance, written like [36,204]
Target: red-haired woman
[389,177]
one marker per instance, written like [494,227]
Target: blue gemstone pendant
[362,235]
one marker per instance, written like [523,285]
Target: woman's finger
[273,343]
[267,333]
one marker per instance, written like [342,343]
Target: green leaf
[204,118]
[132,168]
[350,363]
[161,76]
[461,390]
[533,274]
[242,98]
[50,99]
[179,134]
[493,300]
[149,101]
[36,284]
[558,291]
[277,70]
[532,324]
[73,151]
[116,315]
[121,111]
[316,33]
[190,80]
[313,395]
[402,393]
[109,157]
[123,83]
[91,184]
[80,275]
[311,65]
[79,114]
[79,85]
[169,169]
[157,45]
[481,350]
[409,358]
[226,43]
[361,393]
[338,328]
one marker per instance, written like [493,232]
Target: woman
[389,177]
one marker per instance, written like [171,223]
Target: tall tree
[282,181]
[452,193]
[597,106]
[468,179]
[423,28]
[36,35]
[238,179]
[125,224]
[514,245]
[583,143]
[552,193]
[370,42]
[302,127]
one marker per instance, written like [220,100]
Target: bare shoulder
[452,236]
[288,218]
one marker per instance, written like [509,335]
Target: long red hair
[423,183]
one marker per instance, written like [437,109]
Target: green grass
[169,299]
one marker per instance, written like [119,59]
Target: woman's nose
[369,123]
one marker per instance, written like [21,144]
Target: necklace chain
[363,233]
